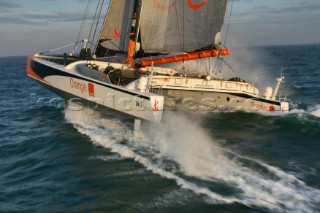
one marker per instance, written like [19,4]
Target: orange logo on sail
[196,6]
[116,32]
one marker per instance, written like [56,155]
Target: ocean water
[57,160]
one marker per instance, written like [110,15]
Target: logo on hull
[78,85]
[91,89]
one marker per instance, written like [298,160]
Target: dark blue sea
[54,160]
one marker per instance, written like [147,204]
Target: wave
[182,151]
[311,113]
[315,110]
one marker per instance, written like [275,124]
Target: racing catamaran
[127,71]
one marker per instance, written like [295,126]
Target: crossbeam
[184,57]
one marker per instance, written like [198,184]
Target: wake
[180,148]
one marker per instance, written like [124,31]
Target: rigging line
[217,65]
[213,14]
[225,41]
[114,44]
[102,28]
[94,19]
[178,26]
[229,66]
[98,21]
[82,24]
[220,65]
[52,50]
[183,27]
[183,31]
[179,30]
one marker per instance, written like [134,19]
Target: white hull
[68,83]
[193,94]
[167,92]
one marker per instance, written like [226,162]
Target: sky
[31,26]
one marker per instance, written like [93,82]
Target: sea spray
[200,156]
[112,136]
[315,110]
[44,162]
[183,140]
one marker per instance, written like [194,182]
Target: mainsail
[180,25]
[116,29]
[164,26]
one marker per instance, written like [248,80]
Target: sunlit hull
[68,83]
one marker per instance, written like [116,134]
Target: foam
[197,155]
[315,110]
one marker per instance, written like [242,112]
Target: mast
[134,34]
[138,21]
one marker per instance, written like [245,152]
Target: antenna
[255,81]
[279,81]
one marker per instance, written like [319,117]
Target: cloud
[60,0]
[284,12]
[11,21]
[55,17]
[274,22]
[8,5]
[306,8]
[15,14]
[40,17]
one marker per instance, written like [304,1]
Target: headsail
[180,25]
[116,29]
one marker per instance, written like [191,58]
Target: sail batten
[180,25]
